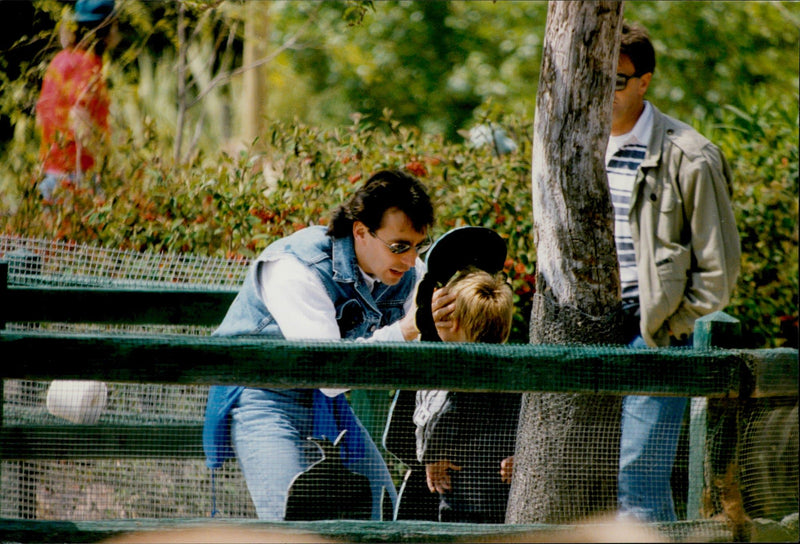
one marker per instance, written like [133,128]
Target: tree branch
[225,76]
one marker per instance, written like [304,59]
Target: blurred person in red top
[72,111]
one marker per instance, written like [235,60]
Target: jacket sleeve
[431,414]
[705,184]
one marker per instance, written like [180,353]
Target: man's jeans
[52,180]
[650,430]
[269,431]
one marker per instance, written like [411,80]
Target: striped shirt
[623,157]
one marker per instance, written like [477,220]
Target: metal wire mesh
[154,487]
[770,458]
[118,488]
[56,263]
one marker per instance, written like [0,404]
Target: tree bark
[181,73]
[254,81]
[567,453]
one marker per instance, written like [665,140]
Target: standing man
[678,250]
[355,279]
[72,110]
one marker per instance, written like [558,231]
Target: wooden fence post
[715,330]
[716,488]
[3,290]
[697,450]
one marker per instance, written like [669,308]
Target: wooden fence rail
[704,371]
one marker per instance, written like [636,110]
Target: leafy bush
[235,203]
[760,140]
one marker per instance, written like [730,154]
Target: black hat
[456,250]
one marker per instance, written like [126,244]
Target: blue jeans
[269,432]
[650,431]
[50,181]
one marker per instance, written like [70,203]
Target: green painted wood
[68,441]
[768,373]
[2,417]
[771,373]
[132,306]
[3,309]
[13,530]
[698,422]
[717,330]
[184,359]
[4,306]
[701,372]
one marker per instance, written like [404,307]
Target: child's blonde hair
[484,305]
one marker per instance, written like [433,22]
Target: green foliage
[431,63]
[708,51]
[434,63]
[234,205]
[760,139]
[436,66]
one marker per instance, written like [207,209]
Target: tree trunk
[182,68]
[254,82]
[567,453]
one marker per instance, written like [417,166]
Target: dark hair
[636,44]
[383,190]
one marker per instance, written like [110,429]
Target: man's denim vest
[358,312]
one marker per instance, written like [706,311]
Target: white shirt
[639,134]
[624,154]
[297,299]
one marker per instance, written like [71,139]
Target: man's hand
[437,476]
[507,469]
[443,303]
[408,325]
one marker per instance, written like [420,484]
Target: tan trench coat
[684,231]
